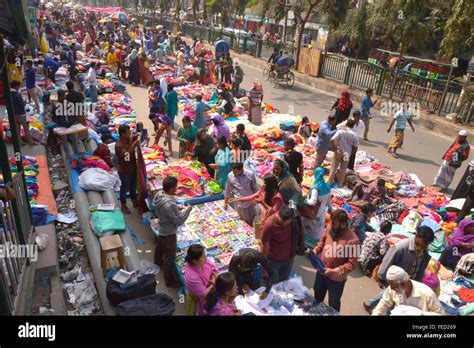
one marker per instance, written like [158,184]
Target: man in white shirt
[180,61]
[404,291]
[359,128]
[344,144]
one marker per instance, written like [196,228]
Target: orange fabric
[45,192]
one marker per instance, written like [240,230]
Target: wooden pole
[445,89]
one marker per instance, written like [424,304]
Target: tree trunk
[300,34]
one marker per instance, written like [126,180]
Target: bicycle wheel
[290,79]
[266,73]
[274,79]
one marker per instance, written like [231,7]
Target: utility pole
[286,21]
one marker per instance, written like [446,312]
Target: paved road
[421,155]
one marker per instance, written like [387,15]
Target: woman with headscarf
[134,68]
[219,129]
[343,106]
[144,65]
[287,184]
[461,243]
[319,199]
[205,149]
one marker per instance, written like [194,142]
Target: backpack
[153,305]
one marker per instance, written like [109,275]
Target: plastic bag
[147,267]
[41,240]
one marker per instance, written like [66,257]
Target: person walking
[327,130]
[333,278]
[171,104]
[365,107]
[90,82]
[400,120]
[457,153]
[170,218]
[343,106]
[344,143]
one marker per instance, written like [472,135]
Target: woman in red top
[268,196]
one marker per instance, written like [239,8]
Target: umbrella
[119,16]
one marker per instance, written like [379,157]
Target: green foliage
[458,38]
[354,30]
[335,12]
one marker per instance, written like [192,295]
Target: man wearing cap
[401,290]
[410,254]
[452,160]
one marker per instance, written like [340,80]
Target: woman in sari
[287,184]
[461,243]
[268,196]
[223,162]
[319,197]
[205,149]
[144,65]
[134,68]
[199,277]
[186,136]
[219,129]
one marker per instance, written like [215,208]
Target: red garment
[465,294]
[449,154]
[279,239]
[103,152]
[344,102]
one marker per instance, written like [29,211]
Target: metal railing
[352,72]
[12,235]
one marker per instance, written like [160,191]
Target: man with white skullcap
[404,291]
[452,160]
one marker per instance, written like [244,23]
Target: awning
[12,24]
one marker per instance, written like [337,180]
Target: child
[235,146]
[145,139]
[245,145]
[305,128]
[359,223]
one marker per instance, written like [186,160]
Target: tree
[404,23]
[458,38]
[195,7]
[152,4]
[305,9]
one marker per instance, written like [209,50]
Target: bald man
[404,291]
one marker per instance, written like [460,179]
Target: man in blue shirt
[365,107]
[51,66]
[323,144]
[401,118]
[30,80]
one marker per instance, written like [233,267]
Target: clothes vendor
[226,103]
[170,218]
[461,242]
[20,113]
[305,128]
[205,149]
[332,280]
[374,248]
[402,290]
[376,193]
[255,95]
[244,265]
[344,144]
[452,160]
[187,137]
[103,150]
[125,150]
[220,300]
[241,183]
[319,198]
[287,184]
[200,275]
[360,222]
[268,196]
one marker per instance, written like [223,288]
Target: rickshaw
[282,72]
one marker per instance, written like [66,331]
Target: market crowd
[294,221]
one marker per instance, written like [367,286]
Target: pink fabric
[197,281]
[223,309]
[276,202]
[96,163]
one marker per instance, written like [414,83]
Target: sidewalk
[432,122]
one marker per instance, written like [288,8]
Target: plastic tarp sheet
[106,221]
